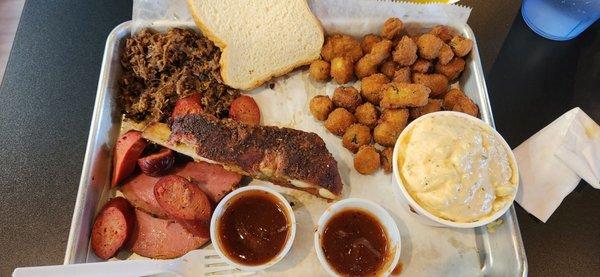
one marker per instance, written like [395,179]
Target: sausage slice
[128,149]
[185,202]
[112,227]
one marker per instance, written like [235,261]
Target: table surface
[47,96]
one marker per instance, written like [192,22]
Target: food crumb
[494,225]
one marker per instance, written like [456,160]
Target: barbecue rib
[283,156]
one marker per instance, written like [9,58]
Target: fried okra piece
[370,87]
[451,98]
[388,68]
[367,160]
[433,105]
[452,70]
[402,75]
[402,95]
[338,121]
[386,159]
[429,46]
[386,134]
[320,106]
[347,98]
[356,136]
[366,114]
[466,105]
[339,45]
[445,33]
[368,64]
[438,83]
[392,27]
[461,46]
[391,124]
[405,52]
[319,70]
[341,70]
[368,41]
[456,100]
[422,66]
[398,117]
[446,54]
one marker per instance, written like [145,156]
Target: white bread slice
[259,39]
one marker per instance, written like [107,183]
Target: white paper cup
[382,216]
[425,216]
[225,202]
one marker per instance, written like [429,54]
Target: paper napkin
[553,161]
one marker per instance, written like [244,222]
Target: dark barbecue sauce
[254,228]
[355,243]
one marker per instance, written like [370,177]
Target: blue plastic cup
[560,19]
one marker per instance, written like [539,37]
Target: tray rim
[98,109]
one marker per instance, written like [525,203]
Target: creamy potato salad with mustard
[455,168]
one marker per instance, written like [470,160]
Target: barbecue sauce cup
[253,228]
[356,237]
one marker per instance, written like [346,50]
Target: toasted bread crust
[257,81]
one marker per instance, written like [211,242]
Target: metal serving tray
[500,253]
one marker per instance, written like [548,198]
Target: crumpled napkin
[553,161]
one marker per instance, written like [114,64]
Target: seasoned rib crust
[264,152]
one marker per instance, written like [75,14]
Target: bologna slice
[162,238]
[213,179]
[112,227]
[139,190]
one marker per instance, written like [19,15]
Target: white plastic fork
[200,262]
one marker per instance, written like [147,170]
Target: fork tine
[231,272]
[215,269]
[216,263]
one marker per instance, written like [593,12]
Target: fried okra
[402,95]
[398,117]
[391,27]
[445,33]
[456,100]
[366,114]
[367,65]
[367,160]
[368,41]
[338,121]
[386,134]
[339,45]
[452,70]
[405,52]
[320,107]
[391,124]
[319,70]
[346,97]
[438,83]
[388,68]
[429,46]
[446,54]
[341,70]
[461,46]
[386,159]
[356,136]
[421,66]
[433,105]
[451,98]
[466,105]
[370,87]
[402,75]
